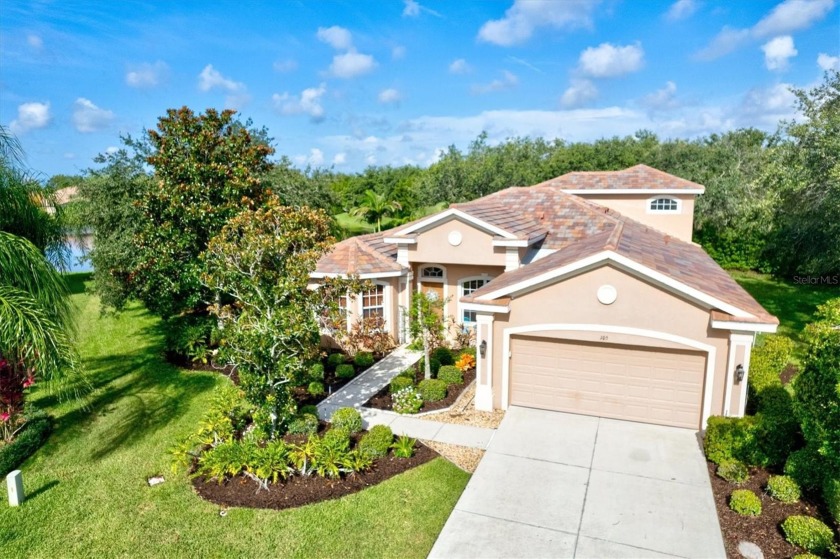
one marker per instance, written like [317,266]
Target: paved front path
[359,390]
[564,485]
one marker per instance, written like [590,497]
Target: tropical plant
[373,207]
[404,447]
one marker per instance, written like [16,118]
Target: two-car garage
[636,383]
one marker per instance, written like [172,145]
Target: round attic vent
[455,238]
[607,294]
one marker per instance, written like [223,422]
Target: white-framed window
[433,273]
[343,310]
[373,302]
[663,205]
[467,286]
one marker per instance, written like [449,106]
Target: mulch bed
[382,399]
[184,362]
[298,491]
[788,373]
[764,530]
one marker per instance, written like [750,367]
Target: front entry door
[434,290]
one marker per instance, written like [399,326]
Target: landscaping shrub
[831,496]
[808,533]
[334,360]
[784,489]
[777,430]
[316,372]
[345,371]
[432,390]
[316,388]
[733,471]
[304,424]
[410,373]
[745,502]
[337,439]
[377,441]
[805,556]
[443,355]
[730,438]
[400,382]
[465,362]
[347,418]
[363,359]
[311,409]
[805,467]
[226,459]
[270,462]
[450,374]
[189,336]
[434,365]
[404,447]
[26,442]
[467,351]
[407,400]
[767,362]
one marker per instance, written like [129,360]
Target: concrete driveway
[562,485]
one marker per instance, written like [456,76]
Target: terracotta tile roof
[638,177]
[365,254]
[519,224]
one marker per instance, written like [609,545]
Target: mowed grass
[87,490]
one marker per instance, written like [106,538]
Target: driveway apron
[562,485]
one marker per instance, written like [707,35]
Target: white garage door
[651,385]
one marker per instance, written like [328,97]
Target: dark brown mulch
[184,362]
[789,373]
[764,530]
[382,399]
[298,491]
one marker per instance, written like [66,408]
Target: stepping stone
[749,550]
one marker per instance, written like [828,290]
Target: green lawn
[354,225]
[87,487]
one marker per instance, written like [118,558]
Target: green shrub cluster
[831,495]
[468,351]
[399,383]
[432,390]
[404,447]
[309,408]
[303,424]
[745,502]
[316,388]
[733,471]
[730,438]
[434,365]
[316,372]
[337,439]
[777,430]
[407,400]
[377,441]
[33,435]
[345,371]
[808,533]
[334,360]
[363,359]
[805,556]
[347,418]
[806,468]
[191,336]
[767,362]
[443,355]
[450,374]
[765,439]
[784,489]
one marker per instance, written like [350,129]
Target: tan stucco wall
[635,206]
[639,305]
[455,274]
[476,246]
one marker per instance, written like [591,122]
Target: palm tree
[374,207]
[36,326]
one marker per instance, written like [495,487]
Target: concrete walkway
[563,485]
[359,390]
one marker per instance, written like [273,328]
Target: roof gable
[639,178]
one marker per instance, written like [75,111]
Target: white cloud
[606,60]
[412,8]
[459,66]
[210,78]
[398,52]
[579,93]
[315,158]
[508,80]
[525,16]
[681,9]
[390,95]
[351,64]
[778,51]
[112,149]
[284,66]
[340,158]
[662,99]
[788,16]
[147,75]
[87,117]
[31,116]
[766,107]
[35,42]
[309,102]
[337,37]
[828,62]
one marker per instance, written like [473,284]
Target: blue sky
[349,84]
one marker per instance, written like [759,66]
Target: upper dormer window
[432,272]
[664,205]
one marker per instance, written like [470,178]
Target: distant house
[585,292]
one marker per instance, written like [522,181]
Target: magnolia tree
[261,260]
[426,324]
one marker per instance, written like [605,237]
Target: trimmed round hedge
[745,502]
[363,359]
[432,390]
[808,533]
[345,371]
[347,418]
[316,388]
[443,355]
[784,489]
[398,383]
[450,374]
[733,471]
[376,442]
[334,360]
[304,424]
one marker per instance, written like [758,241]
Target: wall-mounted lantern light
[482,348]
[739,373]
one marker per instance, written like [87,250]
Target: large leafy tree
[207,168]
[261,260]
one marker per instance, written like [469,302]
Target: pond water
[79,246]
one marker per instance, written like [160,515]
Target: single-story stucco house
[586,294]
